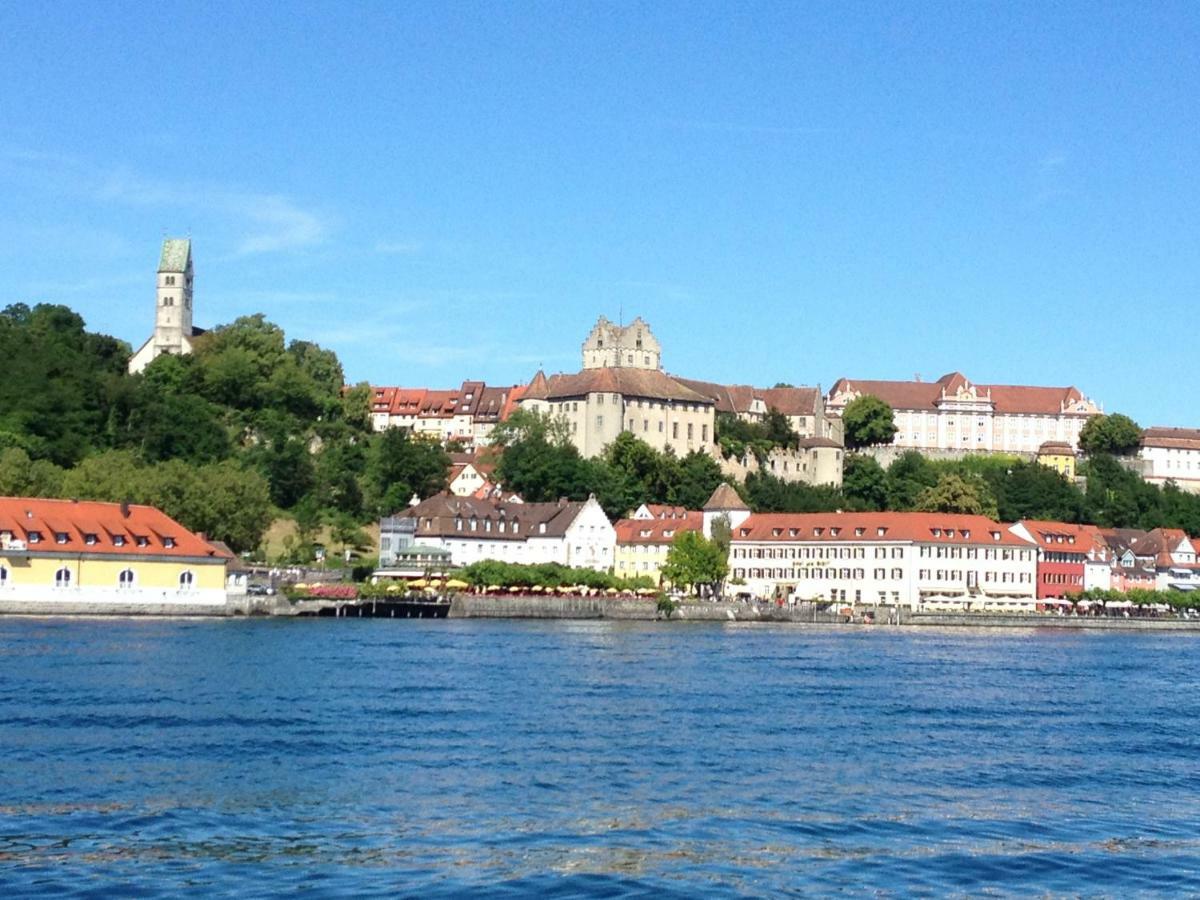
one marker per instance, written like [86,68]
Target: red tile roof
[1005,398]
[647,383]
[1064,537]
[898,526]
[1171,438]
[738,398]
[22,516]
[656,531]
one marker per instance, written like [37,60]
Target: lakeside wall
[491,606]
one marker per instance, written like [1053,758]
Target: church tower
[173,330]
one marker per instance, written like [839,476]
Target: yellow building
[644,540]
[78,553]
[1059,456]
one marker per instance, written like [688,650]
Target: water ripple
[564,759]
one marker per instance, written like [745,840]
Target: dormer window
[35,537]
[936,532]
[880,531]
[817,532]
[776,532]
[169,543]
[118,540]
[541,527]
[995,536]
[793,532]
[859,532]
[89,539]
[966,533]
[949,532]
[60,537]
[143,541]
[669,533]
[834,532]
[745,532]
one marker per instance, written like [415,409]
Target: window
[35,537]
[62,578]
[125,579]
[143,541]
[169,542]
[118,540]
[599,423]
[186,580]
[89,539]
[60,537]
[690,427]
[3,576]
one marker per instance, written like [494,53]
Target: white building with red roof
[467,414]
[73,554]
[953,413]
[916,560]
[1171,455]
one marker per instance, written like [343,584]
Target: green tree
[1029,490]
[958,494]
[868,421]
[1117,435]
[908,475]
[289,470]
[764,492]
[400,465]
[864,482]
[346,532]
[698,475]
[694,561]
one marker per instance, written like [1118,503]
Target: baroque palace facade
[953,413]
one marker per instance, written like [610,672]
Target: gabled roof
[656,531]
[739,398]
[1065,537]
[724,498]
[176,254]
[439,516]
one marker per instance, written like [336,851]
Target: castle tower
[173,329]
[632,346]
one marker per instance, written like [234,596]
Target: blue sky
[792,192]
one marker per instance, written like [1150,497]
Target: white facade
[621,346]
[916,560]
[952,413]
[587,541]
[1171,454]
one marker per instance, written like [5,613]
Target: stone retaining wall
[493,606]
[984,620]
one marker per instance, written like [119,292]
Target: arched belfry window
[62,578]
[125,579]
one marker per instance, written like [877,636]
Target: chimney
[124,509]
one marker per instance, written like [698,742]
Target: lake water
[436,758]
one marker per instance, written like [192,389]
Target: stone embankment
[1099,623]
[491,606]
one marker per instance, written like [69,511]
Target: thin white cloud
[399,248]
[265,222]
